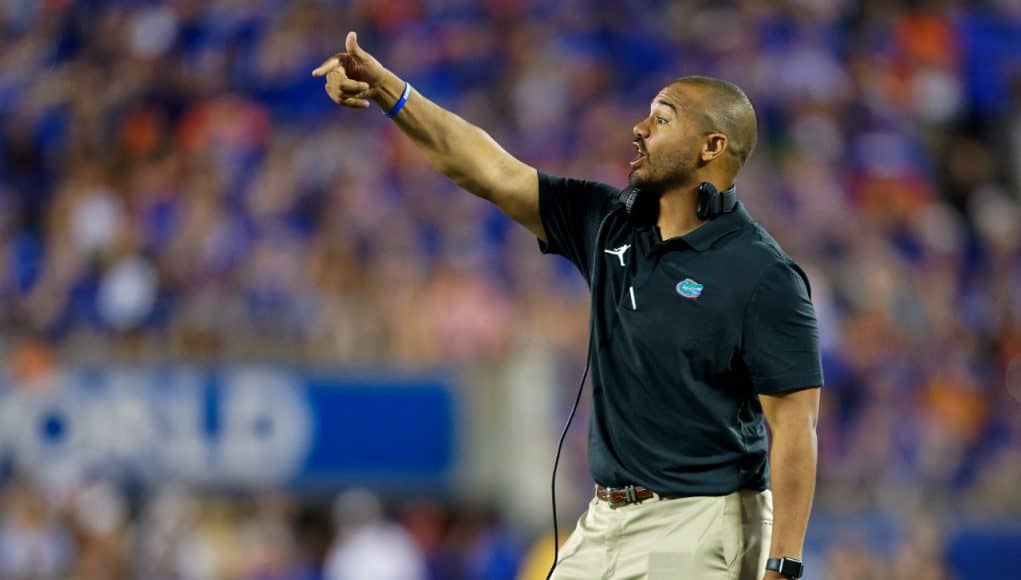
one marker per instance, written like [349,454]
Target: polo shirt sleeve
[571,211]
[781,337]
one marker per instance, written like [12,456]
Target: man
[702,326]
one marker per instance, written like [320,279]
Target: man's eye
[661,120]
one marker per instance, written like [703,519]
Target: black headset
[642,208]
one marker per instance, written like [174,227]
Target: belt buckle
[632,496]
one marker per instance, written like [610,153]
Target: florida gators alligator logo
[689,288]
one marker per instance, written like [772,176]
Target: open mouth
[639,157]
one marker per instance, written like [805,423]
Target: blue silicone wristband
[400,102]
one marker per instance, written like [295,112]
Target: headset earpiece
[712,203]
[706,198]
[641,207]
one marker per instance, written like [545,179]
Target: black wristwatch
[787,567]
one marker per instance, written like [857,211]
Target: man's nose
[639,131]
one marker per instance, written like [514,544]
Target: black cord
[556,462]
[594,271]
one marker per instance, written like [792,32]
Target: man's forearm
[793,454]
[460,150]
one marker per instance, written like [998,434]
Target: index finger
[329,64]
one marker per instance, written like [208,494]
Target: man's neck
[677,213]
[677,209]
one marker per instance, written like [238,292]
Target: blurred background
[247,334]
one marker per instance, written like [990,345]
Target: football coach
[703,327]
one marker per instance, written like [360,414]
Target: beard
[651,181]
[657,178]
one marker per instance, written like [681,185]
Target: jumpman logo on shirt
[619,252]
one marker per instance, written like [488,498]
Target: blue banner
[233,426]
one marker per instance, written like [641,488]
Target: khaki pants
[690,538]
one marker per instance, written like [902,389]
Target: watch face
[786,567]
[790,568]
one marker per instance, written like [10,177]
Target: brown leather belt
[618,496]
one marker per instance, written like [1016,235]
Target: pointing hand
[353,77]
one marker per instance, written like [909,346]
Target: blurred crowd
[94,531]
[174,184]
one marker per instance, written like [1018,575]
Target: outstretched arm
[461,151]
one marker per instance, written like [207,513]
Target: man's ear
[715,145]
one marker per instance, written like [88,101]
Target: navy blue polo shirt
[688,331]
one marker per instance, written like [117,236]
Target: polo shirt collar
[704,236]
